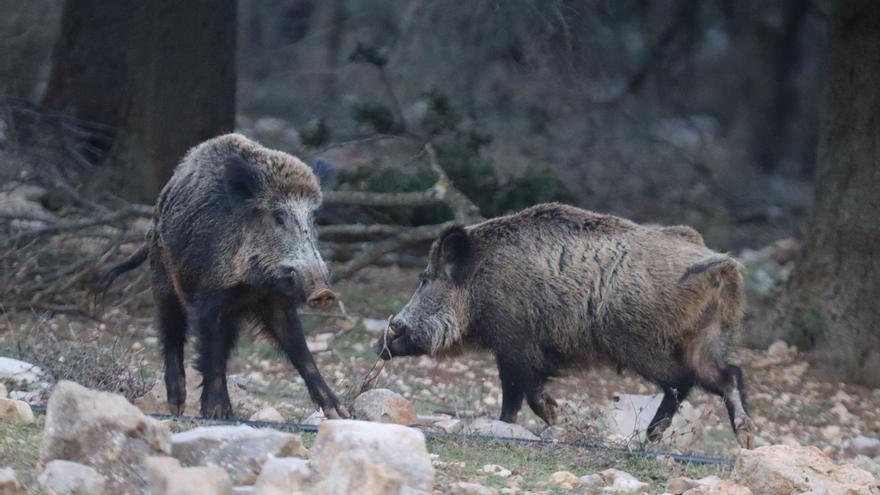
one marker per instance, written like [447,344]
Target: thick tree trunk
[88,60]
[832,297]
[180,88]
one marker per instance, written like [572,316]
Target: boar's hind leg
[284,325]
[172,330]
[674,393]
[727,381]
[216,334]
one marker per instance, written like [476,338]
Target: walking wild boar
[233,242]
[554,287]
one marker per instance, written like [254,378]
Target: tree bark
[832,296]
[89,60]
[180,88]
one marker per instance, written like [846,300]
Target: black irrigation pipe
[589,446]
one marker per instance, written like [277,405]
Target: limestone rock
[104,431]
[862,445]
[156,400]
[725,487]
[497,470]
[622,482]
[167,477]
[564,479]
[495,428]
[70,478]
[356,471]
[240,450]
[283,476]
[268,414]
[3,391]
[449,425]
[384,406]
[783,469]
[9,484]
[388,455]
[16,412]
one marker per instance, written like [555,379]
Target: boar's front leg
[216,333]
[512,394]
[284,325]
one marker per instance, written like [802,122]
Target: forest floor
[789,402]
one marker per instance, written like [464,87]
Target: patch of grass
[20,450]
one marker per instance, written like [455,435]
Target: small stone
[449,425]
[496,470]
[70,478]
[283,476]
[725,487]
[862,445]
[778,350]
[831,433]
[465,488]
[16,412]
[384,406]
[564,479]
[9,484]
[21,373]
[267,414]
[495,428]
[240,450]
[617,481]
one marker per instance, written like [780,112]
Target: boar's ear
[242,180]
[325,172]
[455,252]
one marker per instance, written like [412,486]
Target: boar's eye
[278,215]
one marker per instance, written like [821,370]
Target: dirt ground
[789,402]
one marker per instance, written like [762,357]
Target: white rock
[629,415]
[497,470]
[9,484]
[783,470]
[374,325]
[465,488]
[283,476]
[862,445]
[356,471]
[495,428]
[104,431]
[3,391]
[622,482]
[449,425]
[167,477]
[778,350]
[267,414]
[722,487]
[832,433]
[21,373]
[70,478]
[384,406]
[379,451]
[240,450]
[16,412]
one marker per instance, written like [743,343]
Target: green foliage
[315,133]
[808,326]
[376,115]
[440,116]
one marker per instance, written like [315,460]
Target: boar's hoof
[217,411]
[338,412]
[176,409]
[545,407]
[321,299]
[655,431]
[744,432]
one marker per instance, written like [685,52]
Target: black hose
[590,446]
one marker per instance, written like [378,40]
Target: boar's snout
[386,347]
[321,299]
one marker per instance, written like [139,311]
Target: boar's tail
[720,273]
[132,262]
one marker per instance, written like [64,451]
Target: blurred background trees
[668,111]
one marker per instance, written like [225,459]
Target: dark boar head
[435,319]
[273,198]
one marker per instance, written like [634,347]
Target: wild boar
[555,287]
[233,242]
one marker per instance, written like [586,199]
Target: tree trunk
[88,60]
[832,296]
[179,90]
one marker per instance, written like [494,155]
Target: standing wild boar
[555,286]
[233,241]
